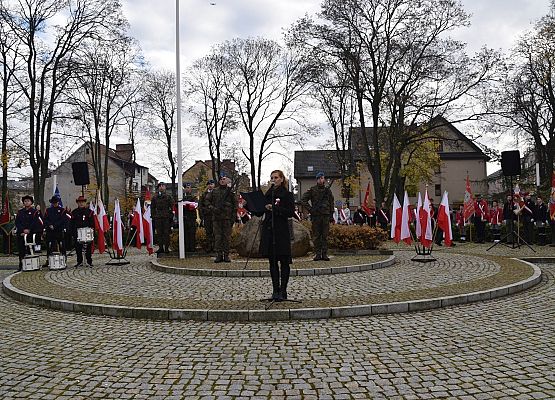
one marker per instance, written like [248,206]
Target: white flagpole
[179,150]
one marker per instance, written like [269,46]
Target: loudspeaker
[80,173]
[510,163]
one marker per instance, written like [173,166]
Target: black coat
[284,208]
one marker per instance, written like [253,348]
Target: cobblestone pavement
[499,349]
[139,285]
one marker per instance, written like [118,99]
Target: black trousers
[79,252]
[54,242]
[276,273]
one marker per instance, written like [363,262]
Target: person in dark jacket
[222,203]
[82,217]
[541,217]
[360,217]
[321,213]
[206,216]
[27,222]
[55,223]
[190,218]
[275,242]
[162,216]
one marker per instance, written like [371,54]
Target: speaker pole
[83,190]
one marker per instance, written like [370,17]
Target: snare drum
[30,263]
[56,261]
[85,235]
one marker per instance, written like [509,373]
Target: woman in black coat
[275,242]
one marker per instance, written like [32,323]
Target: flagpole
[179,150]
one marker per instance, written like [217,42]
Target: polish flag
[405,220]
[149,232]
[117,244]
[444,219]
[137,222]
[468,201]
[101,223]
[417,217]
[396,220]
[426,234]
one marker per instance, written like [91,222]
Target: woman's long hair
[284,183]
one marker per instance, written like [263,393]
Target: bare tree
[49,63]
[402,68]
[525,99]
[211,105]
[103,87]
[160,100]
[264,81]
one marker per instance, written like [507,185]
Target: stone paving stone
[498,349]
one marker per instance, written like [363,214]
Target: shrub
[354,237]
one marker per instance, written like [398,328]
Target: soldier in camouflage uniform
[190,219]
[222,202]
[162,217]
[321,212]
[206,216]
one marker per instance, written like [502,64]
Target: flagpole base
[118,261]
[421,258]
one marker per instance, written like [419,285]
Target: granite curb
[256,273]
[272,314]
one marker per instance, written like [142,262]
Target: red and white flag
[405,220]
[149,232]
[117,244]
[417,217]
[368,206]
[468,201]
[137,222]
[396,220]
[426,234]
[101,223]
[444,219]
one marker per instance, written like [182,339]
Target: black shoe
[282,295]
[159,251]
[226,258]
[78,265]
[325,257]
[276,295]
[317,257]
[218,259]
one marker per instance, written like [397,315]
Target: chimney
[125,151]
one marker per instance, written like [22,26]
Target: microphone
[272,183]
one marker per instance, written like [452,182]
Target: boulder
[248,241]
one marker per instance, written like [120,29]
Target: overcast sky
[204,23]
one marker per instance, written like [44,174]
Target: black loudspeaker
[510,163]
[80,173]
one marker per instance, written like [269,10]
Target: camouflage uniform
[222,202]
[321,211]
[206,217]
[162,216]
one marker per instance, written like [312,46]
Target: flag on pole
[5,215]
[552,198]
[396,220]
[137,222]
[101,223]
[444,219]
[405,220]
[426,222]
[149,232]
[418,208]
[148,196]
[57,194]
[468,210]
[368,205]
[117,244]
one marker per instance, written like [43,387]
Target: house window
[438,189]
[87,151]
[135,187]
[310,168]
[439,144]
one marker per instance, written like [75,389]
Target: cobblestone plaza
[496,349]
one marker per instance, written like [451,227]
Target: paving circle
[136,290]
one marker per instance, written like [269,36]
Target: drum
[30,263]
[56,261]
[85,235]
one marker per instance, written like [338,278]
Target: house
[459,157]
[201,171]
[499,184]
[126,178]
